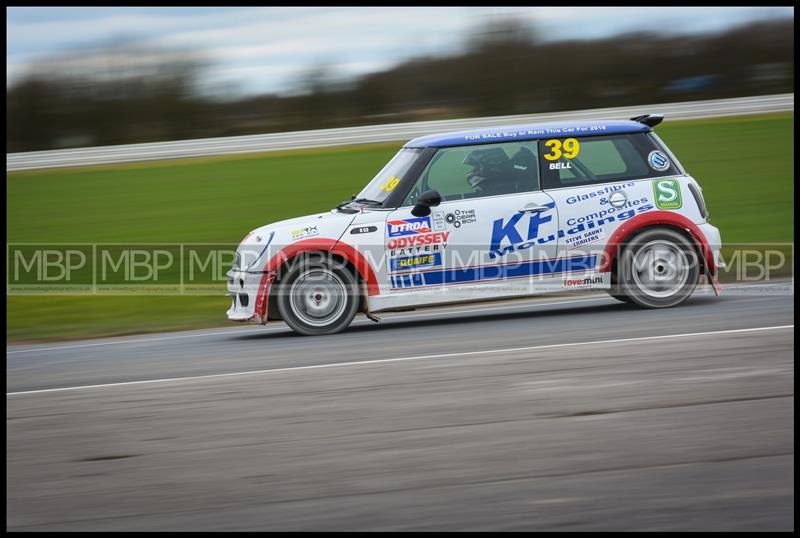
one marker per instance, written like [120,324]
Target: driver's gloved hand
[474,179]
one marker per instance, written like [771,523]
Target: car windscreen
[576,161]
[388,179]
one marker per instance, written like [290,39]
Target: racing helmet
[490,169]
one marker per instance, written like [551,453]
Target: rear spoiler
[651,120]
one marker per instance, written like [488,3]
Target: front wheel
[658,268]
[318,296]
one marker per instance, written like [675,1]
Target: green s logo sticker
[668,193]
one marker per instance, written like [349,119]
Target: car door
[494,233]
[603,182]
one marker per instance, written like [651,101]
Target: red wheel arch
[652,218]
[315,244]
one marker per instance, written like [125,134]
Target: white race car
[487,214]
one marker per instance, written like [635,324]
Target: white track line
[788,283]
[255,330]
[401,359]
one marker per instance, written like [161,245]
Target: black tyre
[616,290]
[620,297]
[317,295]
[658,268]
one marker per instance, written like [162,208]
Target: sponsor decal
[502,230]
[555,131]
[415,249]
[302,233]
[597,193]
[461,216]
[585,238]
[493,272]
[625,204]
[658,161]
[667,193]
[438,220]
[507,230]
[419,240]
[415,262]
[409,226]
[582,282]
[363,230]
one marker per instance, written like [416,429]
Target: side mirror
[425,202]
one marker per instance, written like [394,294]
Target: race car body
[486,214]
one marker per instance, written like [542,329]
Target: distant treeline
[503,70]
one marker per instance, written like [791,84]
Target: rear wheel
[317,295]
[658,268]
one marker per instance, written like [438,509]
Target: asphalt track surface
[569,413]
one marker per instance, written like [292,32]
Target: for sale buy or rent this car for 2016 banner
[488,214]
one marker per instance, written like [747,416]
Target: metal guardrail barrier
[376,133]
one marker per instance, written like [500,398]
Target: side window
[571,162]
[482,170]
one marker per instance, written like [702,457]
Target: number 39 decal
[571,147]
[390,184]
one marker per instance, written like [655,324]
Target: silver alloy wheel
[660,269]
[318,297]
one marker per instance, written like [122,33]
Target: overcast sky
[266,49]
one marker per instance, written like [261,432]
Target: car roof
[532,131]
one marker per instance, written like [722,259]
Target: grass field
[745,165]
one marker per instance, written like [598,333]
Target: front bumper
[249,294]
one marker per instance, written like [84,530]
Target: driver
[491,171]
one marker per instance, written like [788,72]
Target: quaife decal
[415,262]
[667,193]
[410,226]
[658,161]
[506,236]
